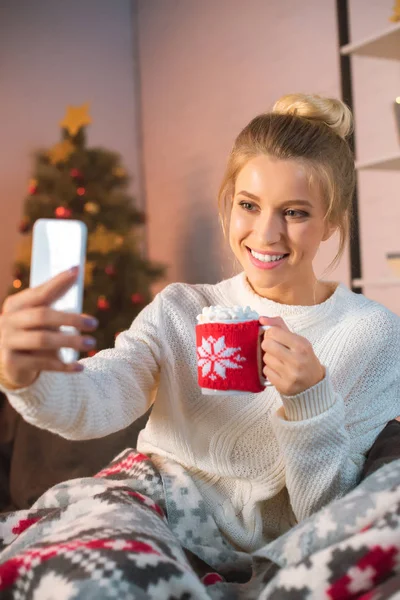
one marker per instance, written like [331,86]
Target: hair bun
[334,113]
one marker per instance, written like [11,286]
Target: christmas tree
[396,12]
[71,181]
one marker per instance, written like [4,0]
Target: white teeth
[266,257]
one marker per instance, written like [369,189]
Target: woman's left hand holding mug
[290,363]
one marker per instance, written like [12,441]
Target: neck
[314,293]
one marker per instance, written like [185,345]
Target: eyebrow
[253,197]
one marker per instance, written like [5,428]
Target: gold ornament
[24,250]
[104,241]
[119,172]
[89,266]
[396,12]
[76,117]
[92,208]
[60,152]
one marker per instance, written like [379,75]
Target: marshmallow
[233,314]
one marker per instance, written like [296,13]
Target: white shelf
[387,163]
[385,44]
[388,281]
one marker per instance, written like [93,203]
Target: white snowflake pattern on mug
[215,357]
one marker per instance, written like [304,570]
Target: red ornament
[62,212]
[110,270]
[81,191]
[92,352]
[103,303]
[32,189]
[24,225]
[137,298]
[76,174]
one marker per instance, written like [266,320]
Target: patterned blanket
[141,532]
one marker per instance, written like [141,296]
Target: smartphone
[58,245]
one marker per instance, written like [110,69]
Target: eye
[298,214]
[247,205]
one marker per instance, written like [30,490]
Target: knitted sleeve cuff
[39,398]
[310,403]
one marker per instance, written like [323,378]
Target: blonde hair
[313,130]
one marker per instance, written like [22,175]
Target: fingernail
[77,367]
[90,322]
[73,270]
[89,342]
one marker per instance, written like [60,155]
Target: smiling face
[275,212]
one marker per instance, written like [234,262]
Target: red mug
[229,357]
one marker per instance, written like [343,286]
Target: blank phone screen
[57,246]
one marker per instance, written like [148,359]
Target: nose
[269,228]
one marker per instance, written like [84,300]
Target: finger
[274,322]
[284,338]
[275,360]
[44,317]
[47,340]
[272,375]
[44,294]
[276,354]
[45,362]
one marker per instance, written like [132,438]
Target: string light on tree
[137,298]
[76,174]
[17,283]
[62,212]
[81,191]
[91,208]
[110,270]
[32,188]
[119,172]
[103,303]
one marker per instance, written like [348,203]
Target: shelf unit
[383,282]
[384,44]
[387,163]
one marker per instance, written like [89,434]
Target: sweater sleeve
[114,389]
[323,436]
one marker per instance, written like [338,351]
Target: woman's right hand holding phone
[29,332]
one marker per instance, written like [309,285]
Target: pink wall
[376,85]
[206,69]
[54,53]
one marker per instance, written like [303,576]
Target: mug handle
[263,380]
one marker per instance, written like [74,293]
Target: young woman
[252,465]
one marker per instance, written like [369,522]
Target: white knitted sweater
[261,461]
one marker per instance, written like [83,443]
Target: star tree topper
[75,118]
[396,12]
